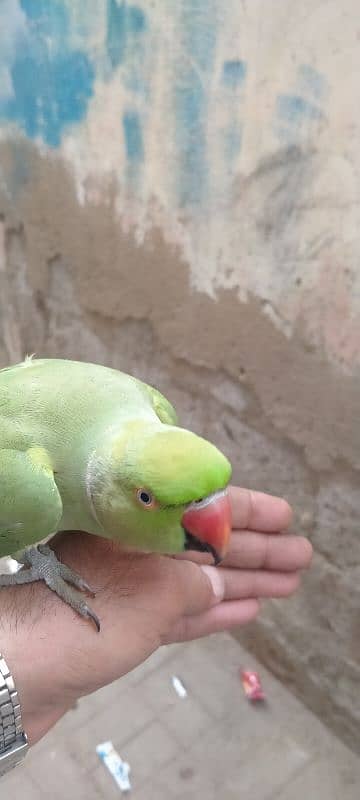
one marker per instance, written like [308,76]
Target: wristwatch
[13,740]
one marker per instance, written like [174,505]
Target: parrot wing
[30,504]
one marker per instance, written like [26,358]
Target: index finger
[258,511]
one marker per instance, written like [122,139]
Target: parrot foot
[41,563]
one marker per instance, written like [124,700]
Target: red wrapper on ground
[252,685]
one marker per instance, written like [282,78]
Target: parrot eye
[145,498]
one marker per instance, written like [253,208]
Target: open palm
[145,601]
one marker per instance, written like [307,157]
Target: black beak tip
[217,559]
[193,543]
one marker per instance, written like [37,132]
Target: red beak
[207,525]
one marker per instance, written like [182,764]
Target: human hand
[143,601]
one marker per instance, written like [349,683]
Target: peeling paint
[312,81]
[50,84]
[133,137]
[124,23]
[197,43]
[234,73]
[230,130]
[293,108]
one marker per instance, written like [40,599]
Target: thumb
[198,587]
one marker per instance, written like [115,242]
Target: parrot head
[162,489]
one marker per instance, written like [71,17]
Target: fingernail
[217,582]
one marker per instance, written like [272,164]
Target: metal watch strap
[13,741]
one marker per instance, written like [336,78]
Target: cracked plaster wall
[188,210]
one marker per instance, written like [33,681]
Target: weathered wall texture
[179,197]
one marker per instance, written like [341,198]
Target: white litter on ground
[178,686]
[118,768]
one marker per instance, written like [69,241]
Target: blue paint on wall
[299,112]
[190,139]
[311,81]
[46,18]
[232,143]
[294,109]
[50,93]
[233,77]
[234,73]
[124,24]
[135,79]
[191,98]
[52,83]
[134,143]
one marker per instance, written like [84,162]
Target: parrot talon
[91,615]
[43,564]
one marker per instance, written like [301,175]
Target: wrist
[48,648]
[34,657]
[13,741]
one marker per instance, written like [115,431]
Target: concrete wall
[179,197]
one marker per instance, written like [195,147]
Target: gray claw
[76,580]
[91,614]
[42,564]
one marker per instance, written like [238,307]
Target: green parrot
[86,447]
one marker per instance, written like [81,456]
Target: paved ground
[212,744]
